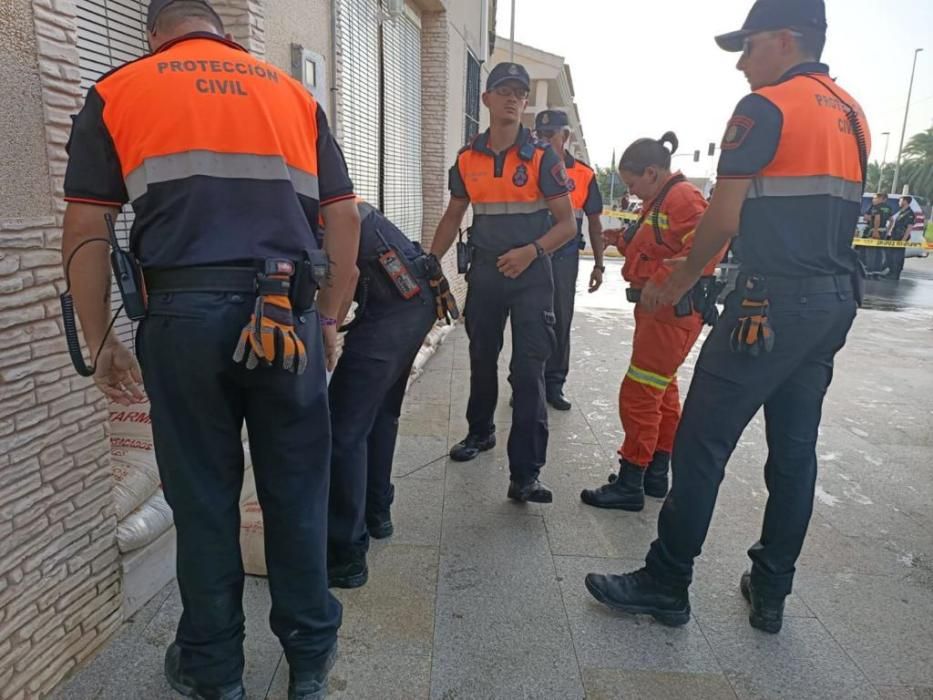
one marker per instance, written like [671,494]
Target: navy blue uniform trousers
[491,299]
[366,394]
[199,401]
[727,390]
[566,267]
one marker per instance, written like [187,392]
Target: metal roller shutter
[401,147]
[358,100]
[379,107]
[110,33]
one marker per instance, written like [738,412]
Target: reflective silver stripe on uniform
[179,166]
[509,207]
[579,213]
[806,186]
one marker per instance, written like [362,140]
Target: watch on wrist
[539,251]
[601,268]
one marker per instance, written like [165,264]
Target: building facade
[401,84]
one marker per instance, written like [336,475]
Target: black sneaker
[380,525]
[471,446]
[656,481]
[347,570]
[189,687]
[530,492]
[555,397]
[624,492]
[767,613]
[640,593]
[311,685]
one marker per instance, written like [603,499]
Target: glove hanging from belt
[269,338]
[753,333]
[444,302]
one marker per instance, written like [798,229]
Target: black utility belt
[701,299]
[301,292]
[801,286]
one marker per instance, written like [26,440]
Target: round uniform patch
[571,185]
[520,178]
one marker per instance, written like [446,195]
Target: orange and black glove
[753,333]
[444,302]
[269,338]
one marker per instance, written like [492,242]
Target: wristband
[539,251]
[601,268]
[327,321]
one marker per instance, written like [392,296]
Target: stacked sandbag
[142,513]
[252,545]
[132,457]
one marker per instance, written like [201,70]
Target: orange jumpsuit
[649,400]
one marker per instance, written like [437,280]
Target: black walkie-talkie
[128,276]
[129,282]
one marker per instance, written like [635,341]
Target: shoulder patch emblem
[737,131]
[571,184]
[520,178]
[559,173]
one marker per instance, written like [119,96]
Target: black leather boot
[656,483]
[767,613]
[190,688]
[379,524]
[626,492]
[470,447]
[348,570]
[640,593]
[530,492]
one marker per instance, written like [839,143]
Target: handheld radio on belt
[129,279]
[397,270]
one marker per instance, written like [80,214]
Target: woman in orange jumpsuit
[649,401]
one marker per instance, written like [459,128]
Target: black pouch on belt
[632,295]
[753,333]
[464,255]
[310,275]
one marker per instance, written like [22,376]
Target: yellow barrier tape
[876,243]
[626,215]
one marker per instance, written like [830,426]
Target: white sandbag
[252,545]
[130,428]
[135,479]
[144,524]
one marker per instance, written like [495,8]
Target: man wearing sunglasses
[790,185]
[553,126]
[518,189]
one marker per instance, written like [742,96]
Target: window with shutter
[402,199]
[110,33]
[358,100]
[379,103]
[471,103]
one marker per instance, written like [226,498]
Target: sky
[642,68]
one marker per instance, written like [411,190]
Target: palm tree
[920,146]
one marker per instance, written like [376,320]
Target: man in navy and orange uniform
[521,212]
[227,163]
[790,185]
[368,388]
[553,126]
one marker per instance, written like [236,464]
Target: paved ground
[478,598]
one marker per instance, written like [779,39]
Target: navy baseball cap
[771,15]
[503,72]
[156,7]
[551,119]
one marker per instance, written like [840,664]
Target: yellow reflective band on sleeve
[660,220]
[643,376]
[687,236]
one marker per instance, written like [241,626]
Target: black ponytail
[645,153]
